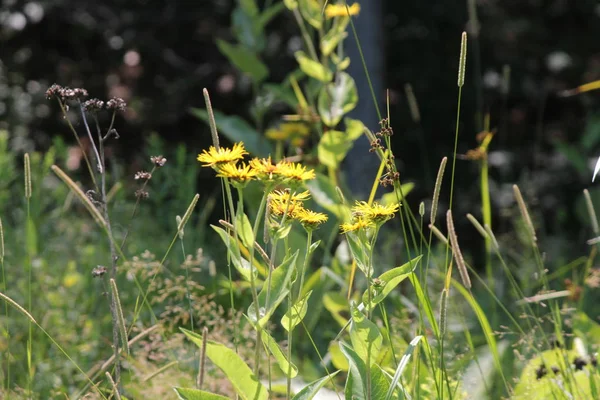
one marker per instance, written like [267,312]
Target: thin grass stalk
[29,257]
[8,352]
[117,305]
[211,119]
[525,214]
[202,360]
[592,213]
[438,234]
[484,234]
[160,370]
[115,389]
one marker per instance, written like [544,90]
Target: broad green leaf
[337,357]
[248,31]
[195,394]
[313,247]
[354,128]
[401,366]
[286,366]
[331,40]
[324,194]
[337,304]
[296,313]
[388,281]
[313,68]
[245,383]
[244,229]
[425,304]
[291,4]
[390,198]
[269,299]
[359,251]
[238,130]
[269,13]
[365,336]
[243,266]
[336,99]
[586,328]
[333,147]
[244,59]
[356,384]
[311,11]
[311,390]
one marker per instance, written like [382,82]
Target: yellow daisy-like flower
[377,213]
[339,10]
[284,196]
[309,219]
[288,130]
[281,208]
[296,172]
[239,173]
[358,224]
[214,157]
[265,169]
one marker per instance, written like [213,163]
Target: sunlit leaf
[333,147]
[337,98]
[296,313]
[195,394]
[311,390]
[401,366]
[356,384]
[311,11]
[365,336]
[243,380]
[313,68]
[337,305]
[285,365]
[244,229]
[244,59]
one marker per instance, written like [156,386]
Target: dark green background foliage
[85,43]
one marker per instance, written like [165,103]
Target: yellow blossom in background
[309,219]
[214,157]
[296,172]
[296,132]
[375,212]
[239,173]
[265,169]
[358,224]
[339,10]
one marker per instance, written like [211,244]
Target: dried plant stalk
[436,190]
[458,257]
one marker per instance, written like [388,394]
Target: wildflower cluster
[65,93]
[284,203]
[225,162]
[365,215]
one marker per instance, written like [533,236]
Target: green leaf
[243,266]
[291,4]
[389,280]
[244,229]
[313,68]
[337,305]
[354,128]
[269,13]
[425,304]
[340,64]
[401,366]
[356,384]
[332,148]
[390,198]
[195,394]
[238,130]
[250,7]
[284,364]
[244,59]
[248,32]
[324,194]
[586,328]
[296,313]
[365,336]
[280,280]
[338,359]
[245,383]
[311,11]
[336,99]
[311,390]
[360,254]
[331,40]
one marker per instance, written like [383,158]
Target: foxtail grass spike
[179,231]
[122,327]
[115,389]
[187,215]
[202,361]
[443,312]
[1,242]
[211,119]
[413,106]
[438,233]
[27,176]
[477,226]
[462,60]
[422,209]
[18,307]
[79,193]
[524,212]
[591,211]
[436,190]
[458,257]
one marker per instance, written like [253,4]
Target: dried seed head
[27,176]
[116,104]
[422,209]
[458,257]
[159,161]
[462,64]
[93,105]
[436,190]
[143,175]
[53,90]
[99,271]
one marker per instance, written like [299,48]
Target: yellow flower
[239,173]
[339,10]
[280,208]
[284,196]
[294,131]
[296,172]
[309,219]
[375,212]
[224,155]
[359,223]
[265,169]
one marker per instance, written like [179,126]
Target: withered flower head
[143,175]
[141,194]
[53,90]
[159,161]
[116,104]
[93,105]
